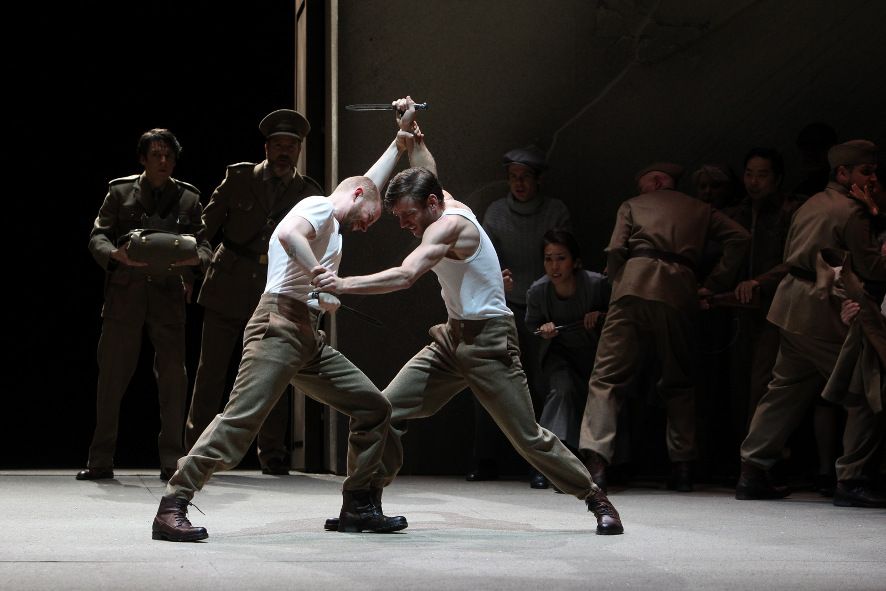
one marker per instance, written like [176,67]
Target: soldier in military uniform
[141,296]
[812,333]
[655,249]
[245,209]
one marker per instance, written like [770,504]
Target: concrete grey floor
[266,533]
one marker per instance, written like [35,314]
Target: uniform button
[254,275]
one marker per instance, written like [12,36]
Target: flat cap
[285,122]
[529,156]
[852,153]
[719,173]
[675,171]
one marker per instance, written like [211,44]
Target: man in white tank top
[282,345]
[476,348]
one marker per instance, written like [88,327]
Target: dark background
[606,87]
[89,79]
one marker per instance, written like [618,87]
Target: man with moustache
[244,210]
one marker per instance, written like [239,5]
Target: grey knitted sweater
[516,229]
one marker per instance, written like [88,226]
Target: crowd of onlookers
[733,333]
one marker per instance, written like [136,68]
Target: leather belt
[668,257]
[244,252]
[801,273]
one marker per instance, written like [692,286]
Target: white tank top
[473,288]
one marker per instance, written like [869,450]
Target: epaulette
[241,164]
[188,186]
[124,179]
[311,181]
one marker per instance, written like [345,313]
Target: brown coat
[830,219]
[671,222]
[245,213]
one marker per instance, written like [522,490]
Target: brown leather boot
[359,512]
[596,465]
[608,520]
[754,484]
[171,522]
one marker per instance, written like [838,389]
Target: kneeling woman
[566,308]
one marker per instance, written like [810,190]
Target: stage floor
[266,532]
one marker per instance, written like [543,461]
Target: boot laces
[181,516]
[601,507]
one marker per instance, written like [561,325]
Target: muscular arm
[381,171]
[420,155]
[438,239]
[295,234]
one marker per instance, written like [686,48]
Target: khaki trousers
[801,370]
[221,338]
[282,346]
[118,352]
[482,355]
[632,324]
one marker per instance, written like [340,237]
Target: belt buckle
[263,259]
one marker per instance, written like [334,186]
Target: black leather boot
[608,521]
[681,477]
[359,513]
[855,493]
[596,465]
[171,522]
[485,470]
[754,484]
[332,523]
[537,480]
[95,474]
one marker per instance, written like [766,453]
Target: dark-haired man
[477,347]
[139,296]
[766,213]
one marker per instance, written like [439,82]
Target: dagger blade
[382,107]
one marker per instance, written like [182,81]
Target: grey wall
[606,87]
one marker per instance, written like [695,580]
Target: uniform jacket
[242,214]
[859,370]
[130,205]
[830,219]
[671,222]
[769,232]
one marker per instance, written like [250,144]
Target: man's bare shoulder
[451,202]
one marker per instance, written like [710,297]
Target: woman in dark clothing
[565,308]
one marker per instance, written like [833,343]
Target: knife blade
[382,107]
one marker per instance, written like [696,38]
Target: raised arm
[411,136]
